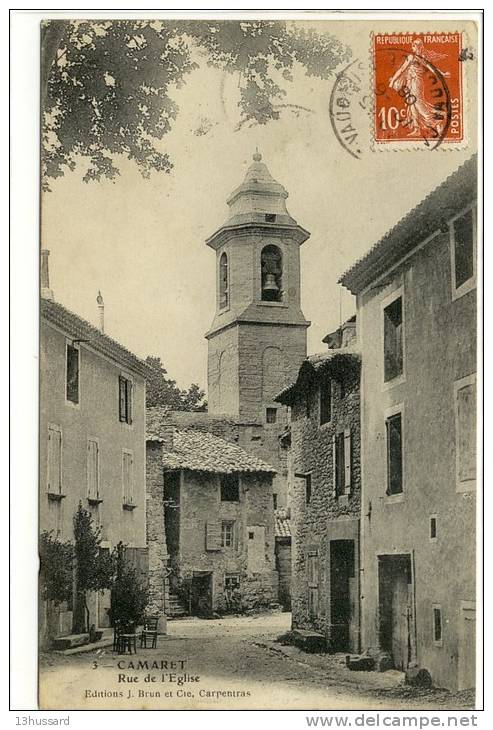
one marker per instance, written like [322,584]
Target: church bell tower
[257,340]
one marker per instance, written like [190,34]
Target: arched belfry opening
[223,281]
[271,274]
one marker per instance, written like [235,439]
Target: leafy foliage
[56,565]
[161,391]
[129,597]
[94,567]
[106,84]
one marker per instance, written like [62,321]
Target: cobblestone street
[233,663]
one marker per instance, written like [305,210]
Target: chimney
[167,433]
[46,292]
[100,302]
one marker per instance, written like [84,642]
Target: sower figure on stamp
[409,77]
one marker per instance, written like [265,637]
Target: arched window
[223,282]
[271,268]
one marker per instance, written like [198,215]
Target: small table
[127,641]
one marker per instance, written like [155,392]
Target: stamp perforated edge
[402,145]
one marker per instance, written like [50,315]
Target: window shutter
[127,469]
[122,398]
[347,460]
[92,470]
[54,461]
[212,535]
[334,464]
[129,400]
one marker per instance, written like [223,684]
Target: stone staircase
[175,608]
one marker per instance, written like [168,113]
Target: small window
[271,274]
[433,528]
[437,625]
[393,332]
[72,384]
[270,217]
[274,500]
[463,248]
[325,401]
[251,536]
[231,582]
[339,459]
[227,534]
[230,488]
[271,415]
[394,454]
[223,282]
[125,400]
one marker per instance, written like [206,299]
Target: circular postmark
[412,100]
[347,106]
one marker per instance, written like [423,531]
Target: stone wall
[200,503]
[312,452]
[156,534]
[439,350]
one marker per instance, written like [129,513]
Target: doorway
[201,594]
[396,609]
[342,594]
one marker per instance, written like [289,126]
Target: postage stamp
[417,89]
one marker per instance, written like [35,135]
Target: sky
[141,242]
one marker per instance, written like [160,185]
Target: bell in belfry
[270,284]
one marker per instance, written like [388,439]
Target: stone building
[257,340]
[210,521]
[91,439]
[416,305]
[325,482]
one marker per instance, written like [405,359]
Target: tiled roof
[340,359]
[454,193]
[201,451]
[282,525]
[79,329]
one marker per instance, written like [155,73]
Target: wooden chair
[149,631]
[117,630]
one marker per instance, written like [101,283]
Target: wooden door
[400,620]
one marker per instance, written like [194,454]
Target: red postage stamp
[418,95]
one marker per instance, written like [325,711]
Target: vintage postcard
[259,258]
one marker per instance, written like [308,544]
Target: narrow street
[231,663]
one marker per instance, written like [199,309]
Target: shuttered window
[394,454]
[342,458]
[128,477]
[92,469]
[54,460]
[125,399]
[212,535]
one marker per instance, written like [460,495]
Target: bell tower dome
[257,340]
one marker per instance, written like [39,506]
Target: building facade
[257,340]
[325,487]
[210,522]
[416,304]
[91,441]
